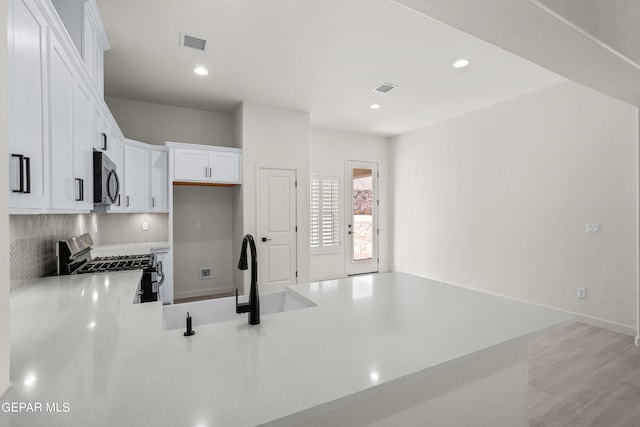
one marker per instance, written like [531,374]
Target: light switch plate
[145,226]
[593,228]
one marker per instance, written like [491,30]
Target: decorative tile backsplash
[33,238]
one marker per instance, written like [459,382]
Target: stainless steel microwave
[106,184]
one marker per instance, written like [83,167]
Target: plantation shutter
[325,212]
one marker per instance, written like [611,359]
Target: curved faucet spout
[253,306]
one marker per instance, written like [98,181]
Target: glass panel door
[362,227]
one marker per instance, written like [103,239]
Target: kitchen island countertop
[78,342]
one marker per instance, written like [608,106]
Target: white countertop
[86,345]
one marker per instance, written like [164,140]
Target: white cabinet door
[191,165]
[82,147]
[70,124]
[100,130]
[136,179]
[224,167]
[28,140]
[61,84]
[159,180]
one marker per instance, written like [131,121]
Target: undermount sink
[224,309]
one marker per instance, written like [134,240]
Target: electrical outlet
[196,224]
[582,293]
[206,273]
[593,228]
[145,226]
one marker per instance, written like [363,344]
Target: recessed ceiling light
[461,63]
[374,106]
[30,380]
[201,71]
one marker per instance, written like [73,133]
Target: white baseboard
[202,292]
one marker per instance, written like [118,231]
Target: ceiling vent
[384,87]
[192,42]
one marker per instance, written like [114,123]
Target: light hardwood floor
[584,376]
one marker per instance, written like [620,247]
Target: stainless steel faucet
[253,306]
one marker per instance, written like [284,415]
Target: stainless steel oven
[106,184]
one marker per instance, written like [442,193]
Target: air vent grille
[384,87]
[193,42]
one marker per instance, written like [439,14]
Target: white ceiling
[321,56]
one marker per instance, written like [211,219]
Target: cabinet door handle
[104,141]
[118,200]
[210,174]
[24,169]
[153,202]
[265,239]
[20,158]
[27,163]
[80,190]
[127,201]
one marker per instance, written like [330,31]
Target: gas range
[74,257]
[116,263]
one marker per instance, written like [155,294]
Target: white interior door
[277,229]
[362,217]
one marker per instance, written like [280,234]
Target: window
[325,213]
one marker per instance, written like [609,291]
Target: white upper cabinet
[205,164]
[52,102]
[82,148]
[191,165]
[159,181]
[82,22]
[28,133]
[137,173]
[71,144]
[61,107]
[224,166]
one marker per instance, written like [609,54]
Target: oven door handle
[160,272]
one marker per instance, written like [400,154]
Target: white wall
[328,151]
[4,215]
[209,246]
[276,138]
[499,199]
[157,123]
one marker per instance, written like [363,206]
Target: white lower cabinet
[137,173]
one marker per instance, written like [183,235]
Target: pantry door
[277,229]
[362,217]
